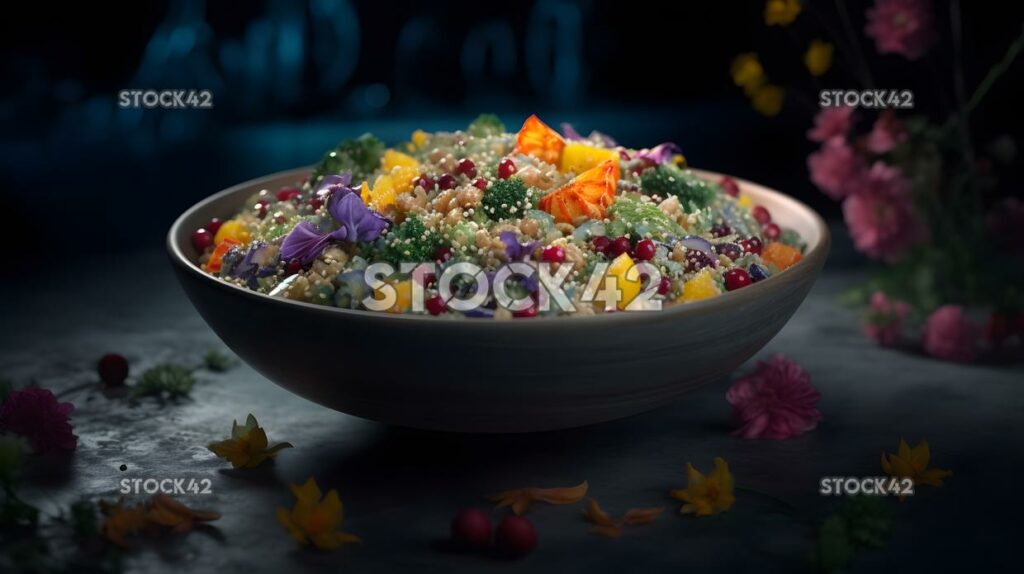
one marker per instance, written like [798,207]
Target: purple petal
[357,222]
[570,132]
[661,153]
[606,139]
[332,181]
[516,251]
[305,243]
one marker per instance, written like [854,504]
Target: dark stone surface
[401,487]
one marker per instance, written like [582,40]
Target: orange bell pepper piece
[214,264]
[537,139]
[781,255]
[589,194]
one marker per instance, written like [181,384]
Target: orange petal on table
[521,498]
[537,139]
[643,515]
[597,515]
[607,531]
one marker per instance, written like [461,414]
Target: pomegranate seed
[435,306]
[507,168]
[720,230]
[729,186]
[771,231]
[527,313]
[442,254]
[316,203]
[697,260]
[426,182]
[750,245]
[730,250]
[515,536]
[480,184]
[736,279]
[466,167]
[288,194]
[620,245]
[471,528]
[665,285]
[645,250]
[553,254]
[294,266]
[261,208]
[213,225]
[112,369]
[601,244]
[202,239]
[761,215]
[446,181]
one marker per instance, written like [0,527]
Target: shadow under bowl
[480,375]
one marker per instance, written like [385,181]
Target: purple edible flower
[606,139]
[661,153]
[516,251]
[356,222]
[570,133]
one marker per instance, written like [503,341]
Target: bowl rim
[814,257]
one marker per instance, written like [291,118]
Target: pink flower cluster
[776,402]
[948,334]
[884,322]
[903,27]
[876,196]
[36,415]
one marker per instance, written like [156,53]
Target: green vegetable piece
[643,219]
[361,156]
[168,379]
[411,241]
[218,361]
[486,125]
[506,199]
[666,179]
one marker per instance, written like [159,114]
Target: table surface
[401,487]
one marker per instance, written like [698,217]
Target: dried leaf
[643,515]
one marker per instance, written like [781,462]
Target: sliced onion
[698,243]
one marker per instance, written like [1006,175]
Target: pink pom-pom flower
[775,402]
[949,335]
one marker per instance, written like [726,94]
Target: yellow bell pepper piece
[627,279]
[700,287]
[579,157]
[393,159]
[234,230]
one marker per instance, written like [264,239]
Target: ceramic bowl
[480,375]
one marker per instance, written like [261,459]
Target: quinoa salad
[483,222]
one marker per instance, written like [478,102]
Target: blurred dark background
[291,78]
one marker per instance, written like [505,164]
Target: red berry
[737,278]
[507,168]
[435,306]
[480,184]
[316,202]
[466,167]
[720,230]
[645,250]
[426,182]
[751,245]
[515,537]
[761,215]
[553,254]
[113,369]
[442,254]
[294,266]
[729,186]
[288,193]
[446,181]
[665,285]
[471,528]
[201,239]
[619,246]
[601,243]
[213,225]
[771,231]
[261,208]
[697,260]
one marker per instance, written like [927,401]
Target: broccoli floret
[507,198]
[360,156]
[486,125]
[643,219]
[411,241]
[166,379]
[665,180]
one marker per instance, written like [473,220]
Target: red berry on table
[665,285]
[751,245]
[471,529]
[761,215]
[729,186]
[480,183]
[435,306]
[213,225]
[619,246]
[446,181]
[601,244]
[466,167]
[515,537]
[736,279]
[645,250]
[112,369]
[553,254]
[202,239]
[288,193]
[771,231]
[507,168]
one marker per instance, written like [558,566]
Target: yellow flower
[768,100]
[818,57]
[747,72]
[121,521]
[781,12]
[912,463]
[706,495]
[247,447]
[315,521]
[166,511]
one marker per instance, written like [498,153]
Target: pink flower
[949,335]
[36,415]
[887,132]
[904,27]
[884,321]
[879,213]
[831,122]
[833,167]
[776,402]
